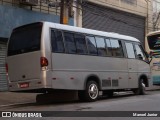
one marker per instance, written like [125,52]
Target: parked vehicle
[152,46]
[44,56]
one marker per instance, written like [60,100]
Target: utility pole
[77,10]
[64,12]
[147,21]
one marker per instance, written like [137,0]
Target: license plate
[24,85]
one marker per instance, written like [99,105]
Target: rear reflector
[44,62]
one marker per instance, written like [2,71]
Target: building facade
[156,15]
[14,13]
[128,17]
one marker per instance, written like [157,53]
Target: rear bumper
[33,85]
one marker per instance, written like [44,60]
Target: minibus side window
[80,43]
[101,46]
[57,41]
[108,47]
[130,50]
[117,49]
[140,53]
[91,43]
[70,44]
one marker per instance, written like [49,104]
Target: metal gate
[3,80]
[111,20]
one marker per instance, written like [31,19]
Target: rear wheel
[91,92]
[141,90]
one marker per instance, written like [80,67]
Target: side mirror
[147,55]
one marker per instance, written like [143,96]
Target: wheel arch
[93,77]
[145,80]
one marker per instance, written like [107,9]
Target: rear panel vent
[106,83]
[115,83]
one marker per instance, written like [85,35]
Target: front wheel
[141,90]
[91,92]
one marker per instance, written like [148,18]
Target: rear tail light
[44,62]
[6,68]
[7,71]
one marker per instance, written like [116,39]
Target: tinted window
[91,43]
[25,39]
[80,43]
[101,46]
[69,42]
[154,42]
[109,48]
[117,49]
[130,50]
[57,41]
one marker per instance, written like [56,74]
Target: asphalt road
[120,102]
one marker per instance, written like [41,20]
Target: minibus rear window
[25,39]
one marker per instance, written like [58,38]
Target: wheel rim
[143,86]
[93,91]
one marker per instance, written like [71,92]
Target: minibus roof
[87,31]
[92,32]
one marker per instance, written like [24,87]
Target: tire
[141,90]
[91,92]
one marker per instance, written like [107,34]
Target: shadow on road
[117,96]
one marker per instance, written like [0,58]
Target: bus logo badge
[6,114]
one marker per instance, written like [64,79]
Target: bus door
[132,66]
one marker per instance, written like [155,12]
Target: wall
[11,17]
[140,8]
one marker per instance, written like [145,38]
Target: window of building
[101,46]
[80,43]
[44,6]
[130,50]
[156,6]
[91,43]
[57,41]
[117,49]
[69,42]
[131,2]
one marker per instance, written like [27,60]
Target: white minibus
[44,57]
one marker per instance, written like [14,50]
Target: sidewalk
[16,98]
[9,98]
